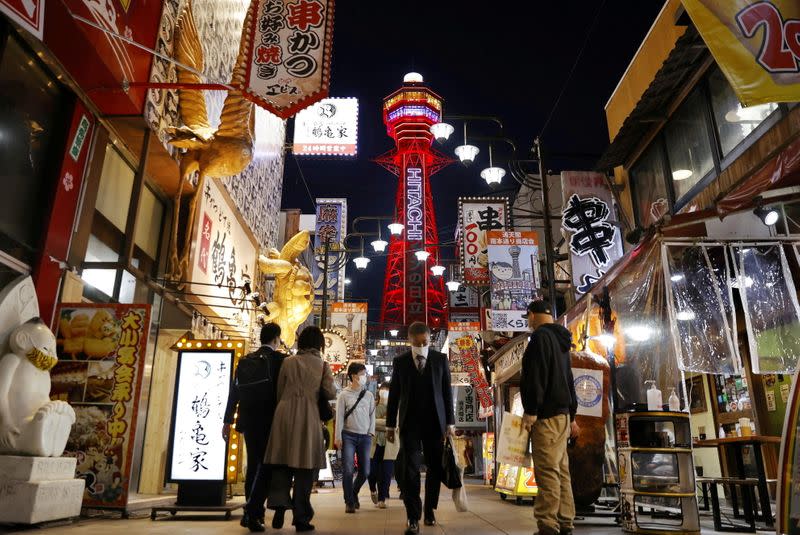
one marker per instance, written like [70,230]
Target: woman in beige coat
[296,445]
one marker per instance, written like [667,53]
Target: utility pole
[548,229]
[323,322]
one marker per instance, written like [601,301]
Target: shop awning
[684,60]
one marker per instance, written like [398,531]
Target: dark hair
[311,338]
[270,332]
[418,328]
[354,369]
[385,384]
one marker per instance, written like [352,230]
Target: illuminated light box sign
[328,128]
[477,216]
[514,272]
[198,452]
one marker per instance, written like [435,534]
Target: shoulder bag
[324,406]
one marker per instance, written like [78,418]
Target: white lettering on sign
[414,226]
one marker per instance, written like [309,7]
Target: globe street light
[492,175]
[437,270]
[467,153]
[379,245]
[396,229]
[422,256]
[442,131]
[394,332]
[453,286]
[361,262]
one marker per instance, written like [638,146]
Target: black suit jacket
[404,371]
[255,391]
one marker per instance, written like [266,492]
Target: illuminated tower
[410,291]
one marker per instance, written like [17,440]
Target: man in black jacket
[421,391]
[254,392]
[548,397]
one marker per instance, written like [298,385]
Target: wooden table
[736,446]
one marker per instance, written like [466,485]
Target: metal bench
[747,486]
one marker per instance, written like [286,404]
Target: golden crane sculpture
[221,153]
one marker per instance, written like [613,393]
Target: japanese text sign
[467,349]
[456,330]
[337,350]
[589,219]
[198,451]
[331,226]
[477,216]
[224,257]
[466,407]
[350,319]
[514,268]
[756,44]
[101,352]
[27,13]
[289,53]
[328,128]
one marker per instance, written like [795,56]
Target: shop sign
[464,297]
[27,13]
[756,44]
[457,330]
[328,128]
[101,353]
[350,319]
[416,272]
[590,222]
[589,391]
[331,226]
[477,216]
[337,350]
[224,258]
[80,138]
[514,271]
[466,407]
[288,53]
[198,451]
[468,354]
[511,357]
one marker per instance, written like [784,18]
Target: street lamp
[361,262]
[384,342]
[437,270]
[347,281]
[394,332]
[466,152]
[396,229]
[492,175]
[453,285]
[422,256]
[379,245]
[442,131]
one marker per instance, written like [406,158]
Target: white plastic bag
[460,494]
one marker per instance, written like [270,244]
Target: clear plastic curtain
[644,349]
[769,299]
[701,308]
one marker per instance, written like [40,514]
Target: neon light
[414,221]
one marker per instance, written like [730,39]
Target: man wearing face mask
[355,427]
[421,390]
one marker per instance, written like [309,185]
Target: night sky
[483,58]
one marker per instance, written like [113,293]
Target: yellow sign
[755,43]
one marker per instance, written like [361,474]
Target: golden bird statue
[212,154]
[293,297]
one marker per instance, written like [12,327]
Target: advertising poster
[514,268]
[337,350]
[350,319]
[289,53]
[101,353]
[457,330]
[328,128]
[589,391]
[466,408]
[471,360]
[477,216]
[198,451]
[589,220]
[331,226]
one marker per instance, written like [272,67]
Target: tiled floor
[488,515]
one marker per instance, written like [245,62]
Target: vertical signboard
[331,226]
[288,46]
[466,408]
[469,356]
[350,319]
[477,216]
[457,330]
[415,224]
[328,128]
[198,451]
[101,352]
[590,222]
[514,268]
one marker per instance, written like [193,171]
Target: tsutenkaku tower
[410,291]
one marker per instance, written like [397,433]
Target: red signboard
[470,358]
[47,272]
[27,13]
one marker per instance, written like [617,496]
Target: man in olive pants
[548,396]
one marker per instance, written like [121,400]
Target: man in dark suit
[254,392]
[420,383]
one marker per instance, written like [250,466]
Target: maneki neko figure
[30,423]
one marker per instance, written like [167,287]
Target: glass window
[734,123]
[148,224]
[688,145]
[649,187]
[97,251]
[116,185]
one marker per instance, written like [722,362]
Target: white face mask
[362,380]
[384,395]
[420,351]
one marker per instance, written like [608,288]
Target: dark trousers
[415,444]
[300,501]
[380,474]
[258,492]
[256,443]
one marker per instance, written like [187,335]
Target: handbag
[324,406]
[451,475]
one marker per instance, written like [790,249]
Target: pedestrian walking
[355,427]
[295,447]
[254,395]
[421,402]
[548,396]
[383,453]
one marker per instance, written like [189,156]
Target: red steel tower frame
[410,291]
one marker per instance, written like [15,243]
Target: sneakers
[374,495]
[382,505]
[349,509]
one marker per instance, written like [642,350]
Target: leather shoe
[277,519]
[430,519]
[412,528]
[255,526]
[304,527]
[245,519]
